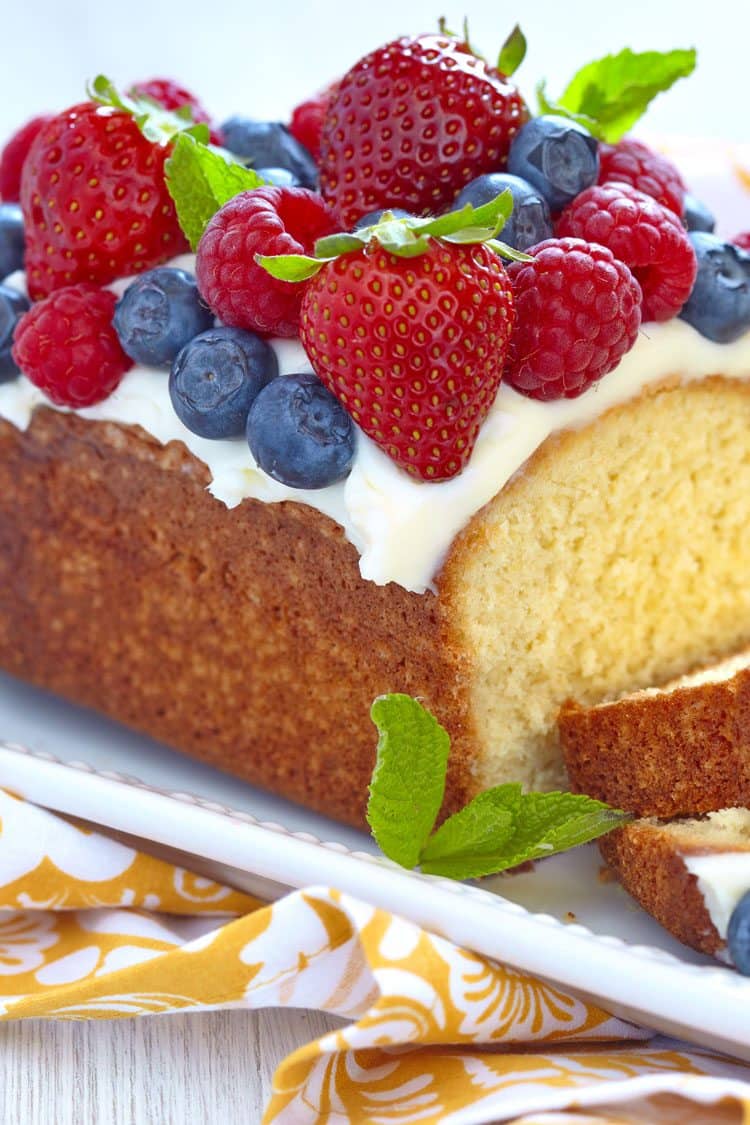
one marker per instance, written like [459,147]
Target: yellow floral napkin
[92,929]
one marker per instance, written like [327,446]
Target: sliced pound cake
[689,874]
[678,750]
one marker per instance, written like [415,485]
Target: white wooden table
[199,1069]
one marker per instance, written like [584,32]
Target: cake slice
[689,874]
[680,749]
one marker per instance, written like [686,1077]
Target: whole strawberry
[307,119]
[94,200]
[411,124]
[413,348]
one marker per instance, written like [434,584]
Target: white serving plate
[560,922]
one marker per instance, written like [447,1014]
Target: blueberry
[300,434]
[557,156]
[279,177]
[530,220]
[269,144]
[696,216]
[11,239]
[215,379]
[738,935]
[719,304]
[158,314]
[12,307]
[373,217]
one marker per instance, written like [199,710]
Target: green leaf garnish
[408,782]
[291,267]
[156,123]
[608,96]
[512,52]
[406,238]
[201,181]
[500,828]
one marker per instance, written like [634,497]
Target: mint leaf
[476,832]
[408,782]
[201,181]
[291,267]
[611,94]
[542,824]
[512,52]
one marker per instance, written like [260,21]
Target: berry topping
[632,162]
[738,935]
[13,158]
[170,95]
[269,144]
[215,379]
[158,314]
[696,215]
[557,156]
[529,221]
[67,347]
[719,305]
[300,434]
[308,117]
[413,347]
[11,239]
[267,221]
[644,235]
[12,307]
[578,311]
[412,123]
[742,241]
[94,200]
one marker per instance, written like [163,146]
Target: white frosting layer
[723,878]
[402,527]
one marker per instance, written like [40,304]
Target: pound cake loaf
[469,422]
[691,875]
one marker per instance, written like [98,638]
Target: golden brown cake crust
[98,603]
[649,862]
[676,753]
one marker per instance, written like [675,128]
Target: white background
[260,58]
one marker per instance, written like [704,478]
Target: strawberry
[411,124]
[94,200]
[407,323]
[307,119]
[170,95]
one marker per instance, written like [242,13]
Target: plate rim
[621,977]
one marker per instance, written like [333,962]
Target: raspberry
[308,117]
[578,311]
[644,235]
[269,220]
[742,241]
[67,347]
[170,95]
[13,156]
[632,162]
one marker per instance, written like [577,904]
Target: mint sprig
[609,95]
[201,181]
[500,828]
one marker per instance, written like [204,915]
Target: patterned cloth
[92,929]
